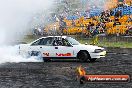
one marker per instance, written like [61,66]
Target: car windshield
[72,41]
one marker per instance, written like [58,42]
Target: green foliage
[121,44]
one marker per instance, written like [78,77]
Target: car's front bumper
[98,55]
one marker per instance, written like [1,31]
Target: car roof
[54,36]
[47,37]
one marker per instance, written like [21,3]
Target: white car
[61,47]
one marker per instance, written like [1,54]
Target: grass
[116,44]
[121,44]
[103,43]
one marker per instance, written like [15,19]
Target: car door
[63,49]
[42,47]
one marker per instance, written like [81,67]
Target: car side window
[36,43]
[57,43]
[65,43]
[61,42]
[44,41]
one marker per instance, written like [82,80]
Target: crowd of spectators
[107,22]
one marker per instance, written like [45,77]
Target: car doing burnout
[61,47]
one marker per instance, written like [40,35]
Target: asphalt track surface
[59,74]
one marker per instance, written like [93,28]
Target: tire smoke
[15,18]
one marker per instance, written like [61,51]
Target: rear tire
[83,56]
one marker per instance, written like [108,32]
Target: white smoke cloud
[10,54]
[15,16]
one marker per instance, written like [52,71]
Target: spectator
[89,26]
[111,12]
[54,30]
[130,19]
[95,36]
[73,23]
[35,32]
[118,13]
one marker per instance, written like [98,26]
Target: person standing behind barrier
[95,36]
[118,13]
[62,25]
[89,28]
[54,31]
[130,18]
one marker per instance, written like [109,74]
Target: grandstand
[110,19]
[113,26]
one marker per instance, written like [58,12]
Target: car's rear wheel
[92,59]
[83,56]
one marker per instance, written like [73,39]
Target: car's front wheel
[83,56]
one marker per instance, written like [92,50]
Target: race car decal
[34,53]
[61,54]
[46,54]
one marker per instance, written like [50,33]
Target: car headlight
[98,50]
